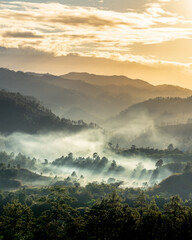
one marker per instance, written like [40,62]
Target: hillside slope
[15,178]
[26,114]
[162,109]
[176,184]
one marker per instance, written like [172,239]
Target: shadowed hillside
[176,184]
[14,178]
[26,114]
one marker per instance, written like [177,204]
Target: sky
[146,39]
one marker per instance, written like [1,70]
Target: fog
[55,144]
[143,130]
[134,171]
[93,153]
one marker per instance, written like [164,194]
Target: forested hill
[162,109]
[25,114]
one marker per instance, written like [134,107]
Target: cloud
[21,35]
[148,36]
[121,5]
[91,20]
[113,32]
[176,50]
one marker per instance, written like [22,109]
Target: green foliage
[59,213]
[16,222]
[110,219]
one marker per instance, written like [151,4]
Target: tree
[153,206]
[110,219]
[170,148]
[133,147]
[70,156]
[110,145]
[95,155]
[141,202]
[73,174]
[56,223]
[18,166]
[151,225]
[175,215]
[16,222]
[159,163]
[174,207]
[46,161]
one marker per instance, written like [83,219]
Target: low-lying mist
[143,131]
[54,144]
[97,154]
[86,154]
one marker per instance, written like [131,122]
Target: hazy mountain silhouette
[106,80]
[162,110]
[130,85]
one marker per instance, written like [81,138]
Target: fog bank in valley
[86,153]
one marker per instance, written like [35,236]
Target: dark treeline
[93,212]
[11,160]
[171,152]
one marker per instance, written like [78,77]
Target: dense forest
[93,212]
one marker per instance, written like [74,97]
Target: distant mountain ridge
[105,80]
[120,80]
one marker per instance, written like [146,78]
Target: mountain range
[92,98]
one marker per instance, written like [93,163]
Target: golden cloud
[9,34]
[87,31]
